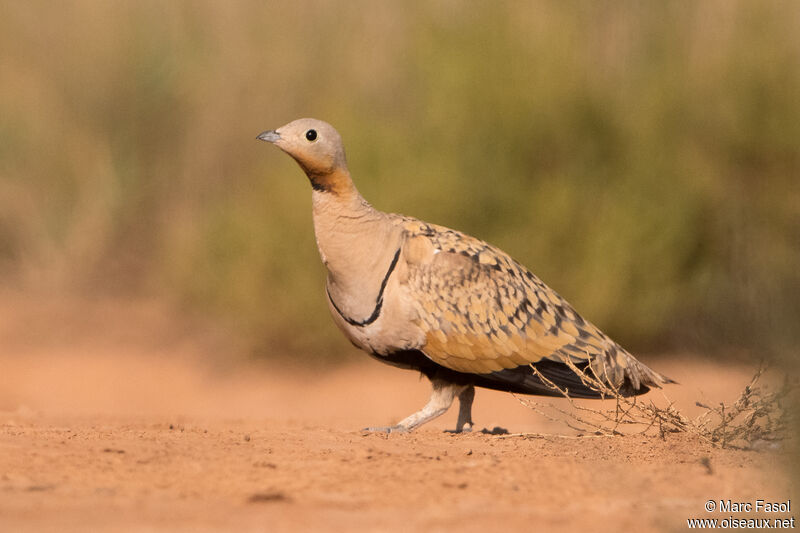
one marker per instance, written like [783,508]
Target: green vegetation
[642,157]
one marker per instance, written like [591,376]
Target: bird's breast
[394,326]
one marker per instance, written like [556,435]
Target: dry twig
[757,415]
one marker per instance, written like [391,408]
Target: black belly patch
[519,380]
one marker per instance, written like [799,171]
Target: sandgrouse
[425,297]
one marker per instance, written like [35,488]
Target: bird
[460,311]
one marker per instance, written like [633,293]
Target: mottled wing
[483,312]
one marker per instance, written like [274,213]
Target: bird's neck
[354,239]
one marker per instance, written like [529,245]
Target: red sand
[114,418]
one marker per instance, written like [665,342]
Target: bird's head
[315,145]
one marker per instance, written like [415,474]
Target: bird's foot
[386,429]
[467,428]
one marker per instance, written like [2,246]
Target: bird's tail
[621,371]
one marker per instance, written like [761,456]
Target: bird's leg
[465,398]
[442,396]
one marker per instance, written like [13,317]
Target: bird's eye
[311,135]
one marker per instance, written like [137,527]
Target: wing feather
[482,312]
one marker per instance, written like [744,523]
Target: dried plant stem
[757,415]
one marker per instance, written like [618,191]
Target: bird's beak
[270,136]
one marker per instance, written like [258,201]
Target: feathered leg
[465,398]
[442,396]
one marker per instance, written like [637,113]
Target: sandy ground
[117,418]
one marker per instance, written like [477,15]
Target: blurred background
[643,158]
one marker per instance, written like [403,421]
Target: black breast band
[378,301]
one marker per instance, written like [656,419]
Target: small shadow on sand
[268,497]
[497,430]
